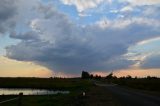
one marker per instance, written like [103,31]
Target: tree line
[146,83]
[87,75]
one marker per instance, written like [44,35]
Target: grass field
[95,95]
[152,84]
[75,85]
[50,100]
[45,83]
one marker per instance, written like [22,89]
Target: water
[16,91]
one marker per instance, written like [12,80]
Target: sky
[46,38]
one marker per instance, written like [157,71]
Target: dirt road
[130,97]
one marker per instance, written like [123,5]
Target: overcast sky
[68,36]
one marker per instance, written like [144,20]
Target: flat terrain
[45,83]
[131,97]
[97,94]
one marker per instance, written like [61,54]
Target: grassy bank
[50,100]
[45,83]
[75,85]
[94,95]
[152,84]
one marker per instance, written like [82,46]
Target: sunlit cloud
[149,41]
[144,53]
[82,5]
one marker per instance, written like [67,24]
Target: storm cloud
[151,62]
[7,13]
[53,40]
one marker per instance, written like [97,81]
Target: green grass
[45,83]
[140,83]
[50,100]
[95,96]
[75,85]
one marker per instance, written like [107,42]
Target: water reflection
[16,91]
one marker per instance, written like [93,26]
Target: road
[129,97]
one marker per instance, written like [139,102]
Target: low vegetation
[94,95]
[45,83]
[151,84]
[75,85]
[146,83]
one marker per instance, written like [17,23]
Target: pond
[26,91]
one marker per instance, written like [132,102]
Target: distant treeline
[146,83]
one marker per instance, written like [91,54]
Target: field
[75,85]
[45,83]
[95,95]
[149,84]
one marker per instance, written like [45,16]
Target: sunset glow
[13,68]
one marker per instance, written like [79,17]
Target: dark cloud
[92,48]
[152,61]
[31,35]
[69,56]
[47,11]
[7,12]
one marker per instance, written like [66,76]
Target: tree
[91,76]
[85,75]
[97,77]
[128,77]
[110,76]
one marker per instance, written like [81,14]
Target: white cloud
[123,23]
[148,41]
[143,2]
[114,11]
[127,9]
[82,5]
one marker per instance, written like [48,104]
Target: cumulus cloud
[51,39]
[143,2]
[127,9]
[82,5]
[138,8]
[73,48]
